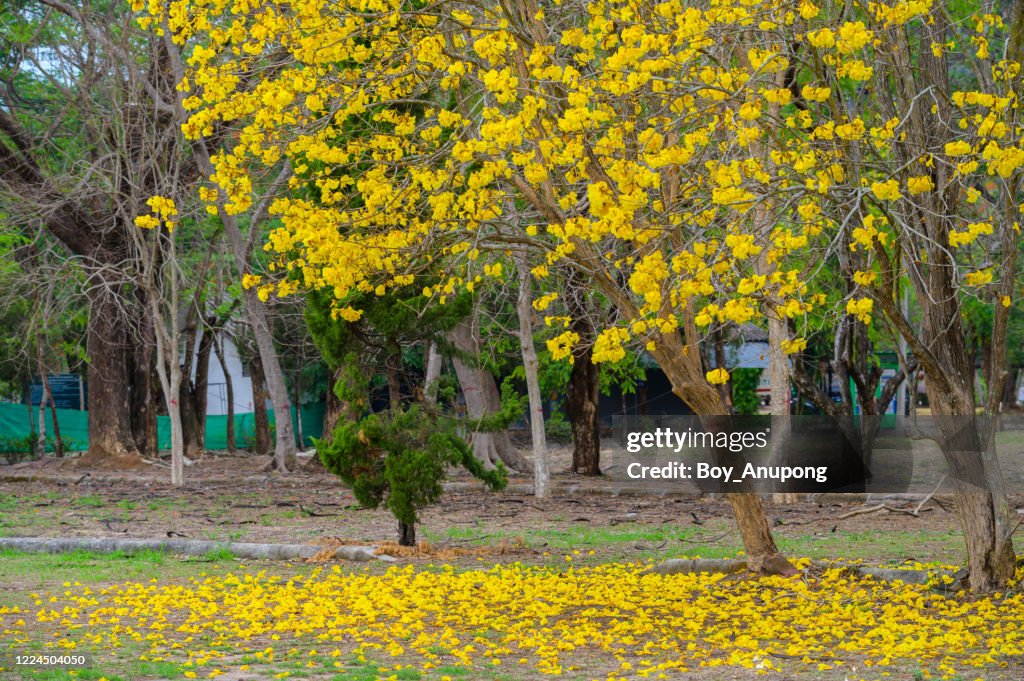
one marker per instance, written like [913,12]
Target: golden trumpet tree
[687,159]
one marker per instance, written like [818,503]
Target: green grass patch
[86,674]
[221,554]
[631,542]
[38,570]
[941,546]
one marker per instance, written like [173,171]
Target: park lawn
[630,542]
[566,617]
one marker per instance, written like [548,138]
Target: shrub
[399,458]
[744,391]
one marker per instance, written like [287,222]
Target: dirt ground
[232,498]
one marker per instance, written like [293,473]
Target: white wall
[216,390]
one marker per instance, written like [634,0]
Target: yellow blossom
[717,376]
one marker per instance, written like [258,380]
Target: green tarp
[18,422]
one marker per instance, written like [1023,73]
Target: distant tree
[80,119]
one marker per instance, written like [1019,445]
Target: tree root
[688,566]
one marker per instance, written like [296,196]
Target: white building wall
[216,389]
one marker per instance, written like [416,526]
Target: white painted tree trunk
[524,309]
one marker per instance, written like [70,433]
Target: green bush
[557,428]
[398,458]
[16,449]
[744,391]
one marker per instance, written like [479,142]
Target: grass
[165,504]
[42,570]
[85,674]
[221,554]
[632,542]
[942,546]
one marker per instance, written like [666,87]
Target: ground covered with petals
[519,622]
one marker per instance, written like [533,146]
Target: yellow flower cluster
[861,307]
[979,277]
[561,345]
[959,238]
[653,142]
[163,210]
[608,345]
[717,377]
[791,346]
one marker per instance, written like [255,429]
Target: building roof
[748,333]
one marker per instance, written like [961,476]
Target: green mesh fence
[18,423]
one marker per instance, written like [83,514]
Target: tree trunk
[681,365]
[394,368]
[981,502]
[432,374]
[230,389]
[406,533]
[584,391]
[187,393]
[482,397]
[41,417]
[284,445]
[778,366]
[581,402]
[524,309]
[145,394]
[261,444]
[990,559]
[189,425]
[111,445]
[1008,400]
[298,411]
[177,444]
[58,442]
[170,380]
[201,384]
